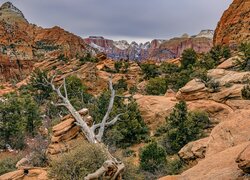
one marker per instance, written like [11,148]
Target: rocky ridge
[157,49]
[23,44]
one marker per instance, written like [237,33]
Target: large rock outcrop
[233,27]
[22,44]
[220,166]
[154,109]
[230,84]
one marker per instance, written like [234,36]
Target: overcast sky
[138,20]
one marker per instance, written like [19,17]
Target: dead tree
[112,168]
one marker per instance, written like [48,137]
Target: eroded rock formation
[233,27]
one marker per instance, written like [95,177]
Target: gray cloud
[132,19]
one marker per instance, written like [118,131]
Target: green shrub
[188,58]
[183,127]
[153,158]
[118,66]
[38,85]
[20,116]
[63,58]
[38,157]
[78,163]
[228,85]
[88,58]
[8,164]
[132,171]
[149,70]
[156,86]
[213,85]
[128,153]
[245,92]
[133,90]
[201,74]
[121,85]
[77,92]
[131,128]
[206,62]
[169,68]
[174,165]
[218,52]
[244,62]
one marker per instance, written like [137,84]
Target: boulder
[229,63]
[154,109]
[221,165]
[192,152]
[216,110]
[233,92]
[233,131]
[193,90]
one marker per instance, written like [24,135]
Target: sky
[133,20]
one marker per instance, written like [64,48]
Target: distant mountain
[155,50]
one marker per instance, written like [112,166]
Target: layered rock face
[22,44]
[234,26]
[173,48]
[156,50]
[66,134]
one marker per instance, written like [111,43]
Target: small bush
[149,70]
[88,58]
[153,158]
[169,68]
[228,85]
[78,163]
[38,157]
[121,85]
[188,58]
[213,85]
[63,58]
[131,129]
[218,52]
[132,171]
[8,164]
[128,153]
[245,92]
[174,165]
[183,127]
[133,90]
[244,63]
[118,66]
[156,86]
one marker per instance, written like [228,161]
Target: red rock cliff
[234,25]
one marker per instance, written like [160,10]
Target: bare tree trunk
[112,168]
